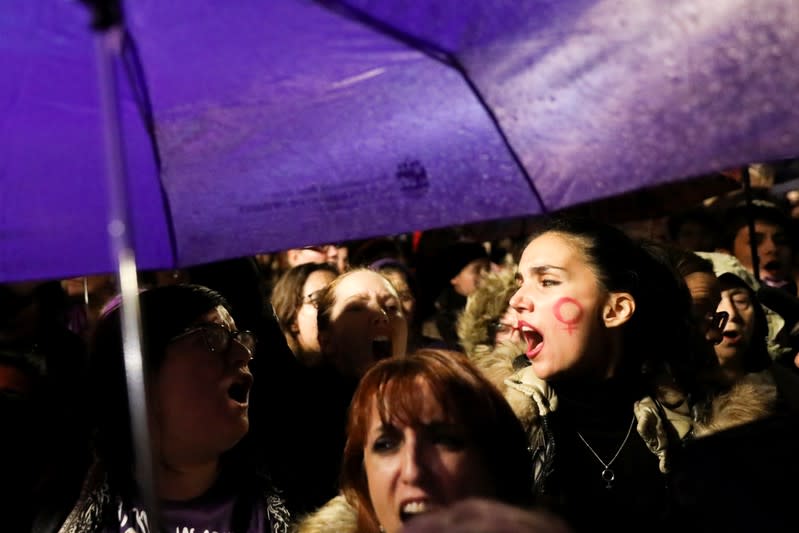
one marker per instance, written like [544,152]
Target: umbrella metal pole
[86,295]
[108,46]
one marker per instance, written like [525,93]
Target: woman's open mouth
[773,268]
[533,338]
[415,508]
[732,337]
[239,390]
[382,348]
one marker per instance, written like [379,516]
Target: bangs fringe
[400,399]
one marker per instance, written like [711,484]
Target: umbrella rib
[138,84]
[448,58]
[490,112]
[426,47]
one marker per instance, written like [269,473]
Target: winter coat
[97,502]
[660,422]
[758,395]
[531,400]
[336,516]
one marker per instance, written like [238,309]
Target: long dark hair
[287,297]
[659,329]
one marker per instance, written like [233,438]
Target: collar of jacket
[659,426]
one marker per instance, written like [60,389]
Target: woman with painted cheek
[601,319]
[424,432]
[565,316]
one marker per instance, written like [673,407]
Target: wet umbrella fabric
[291,122]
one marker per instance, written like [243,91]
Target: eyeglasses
[717,319]
[218,338]
[405,296]
[503,329]
[312,298]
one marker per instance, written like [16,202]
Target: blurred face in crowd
[321,253]
[420,467]
[773,250]
[200,394]
[407,300]
[468,279]
[304,327]
[562,307]
[343,258]
[505,329]
[705,297]
[695,236]
[738,331]
[366,323]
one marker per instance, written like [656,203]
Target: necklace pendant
[608,476]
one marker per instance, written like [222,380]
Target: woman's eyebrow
[537,270]
[359,296]
[543,269]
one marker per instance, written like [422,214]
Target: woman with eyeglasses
[294,299]
[198,386]
[488,319]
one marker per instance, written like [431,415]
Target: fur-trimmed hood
[754,397]
[336,516]
[757,395]
[484,307]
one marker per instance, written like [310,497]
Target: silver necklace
[608,475]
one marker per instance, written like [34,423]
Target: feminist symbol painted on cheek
[568,311]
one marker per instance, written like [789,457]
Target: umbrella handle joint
[105,13]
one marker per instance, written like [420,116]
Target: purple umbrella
[254,126]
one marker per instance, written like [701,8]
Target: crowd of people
[574,379]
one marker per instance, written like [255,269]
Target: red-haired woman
[424,432]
